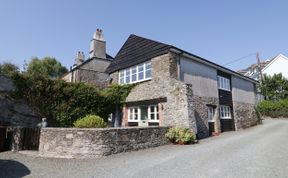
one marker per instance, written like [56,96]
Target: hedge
[62,103]
[274,108]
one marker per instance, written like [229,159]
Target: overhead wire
[239,59]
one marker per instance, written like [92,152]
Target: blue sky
[220,31]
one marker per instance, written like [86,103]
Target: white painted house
[276,65]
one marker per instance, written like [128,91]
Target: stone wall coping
[103,129]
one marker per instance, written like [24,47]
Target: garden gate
[31,138]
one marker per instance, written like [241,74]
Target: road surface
[261,151]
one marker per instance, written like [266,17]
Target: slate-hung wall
[186,89]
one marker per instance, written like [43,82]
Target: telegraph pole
[259,68]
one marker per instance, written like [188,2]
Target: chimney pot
[98,45]
[79,58]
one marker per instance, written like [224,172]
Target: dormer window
[134,74]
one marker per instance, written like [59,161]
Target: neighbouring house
[276,65]
[92,70]
[174,87]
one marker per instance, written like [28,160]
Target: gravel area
[260,151]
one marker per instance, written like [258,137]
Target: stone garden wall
[74,142]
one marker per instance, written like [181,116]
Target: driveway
[261,151]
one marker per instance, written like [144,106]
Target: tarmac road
[261,151]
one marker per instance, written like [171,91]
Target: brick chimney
[98,45]
[80,57]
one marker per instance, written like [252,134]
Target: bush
[274,108]
[181,135]
[90,121]
[63,103]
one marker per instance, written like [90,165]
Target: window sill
[143,120]
[226,118]
[140,81]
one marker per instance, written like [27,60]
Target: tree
[8,69]
[275,87]
[48,67]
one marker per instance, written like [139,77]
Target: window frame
[133,114]
[209,108]
[223,83]
[156,112]
[130,69]
[225,112]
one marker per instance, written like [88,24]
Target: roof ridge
[151,40]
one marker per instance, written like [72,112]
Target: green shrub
[274,108]
[62,103]
[181,135]
[90,121]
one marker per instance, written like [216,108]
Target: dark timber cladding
[225,98]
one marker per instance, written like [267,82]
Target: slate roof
[108,58]
[138,49]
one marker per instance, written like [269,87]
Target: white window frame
[156,117]
[137,74]
[223,83]
[225,112]
[211,112]
[121,77]
[133,114]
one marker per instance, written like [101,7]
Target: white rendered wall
[278,65]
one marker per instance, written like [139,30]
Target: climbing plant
[62,103]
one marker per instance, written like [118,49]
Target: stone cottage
[92,70]
[175,87]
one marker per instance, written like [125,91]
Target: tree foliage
[48,67]
[8,69]
[274,87]
[62,103]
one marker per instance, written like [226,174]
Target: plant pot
[181,143]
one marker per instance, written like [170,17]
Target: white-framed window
[153,114]
[121,77]
[127,76]
[223,83]
[225,112]
[210,114]
[134,74]
[138,113]
[133,114]
[148,70]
